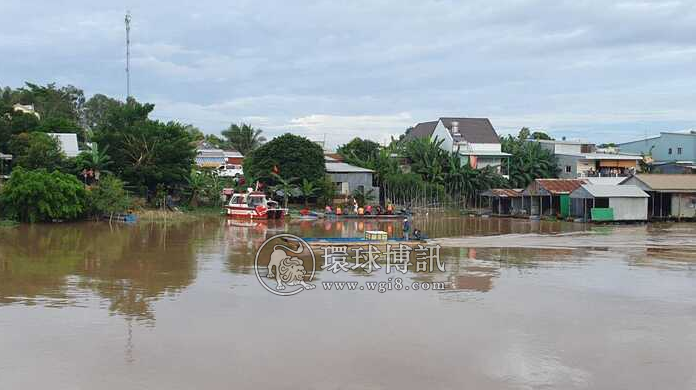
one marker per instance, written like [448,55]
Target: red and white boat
[253,205]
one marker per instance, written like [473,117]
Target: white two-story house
[474,139]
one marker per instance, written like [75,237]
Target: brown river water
[528,305]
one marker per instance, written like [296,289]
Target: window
[569,169]
[669,151]
[679,150]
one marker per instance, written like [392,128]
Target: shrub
[108,197]
[39,195]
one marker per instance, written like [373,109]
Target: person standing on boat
[406,228]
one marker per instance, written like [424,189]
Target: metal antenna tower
[128,20]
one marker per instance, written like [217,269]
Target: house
[26,109]
[233,157]
[68,143]
[602,202]
[210,157]
[671,195]
[474,139]
[549,196]
[348,178]
[666,147]
[505,201]
[577,159]
[574,166]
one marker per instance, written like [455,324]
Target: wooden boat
[367,216]
[354,242]
[253,205]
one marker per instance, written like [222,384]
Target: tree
[358,151]
[290,156]
[197,182]
[195,133]
[215,141]
[37,150]
[363,197]
[540,135]
[308,190]
[529,160]
[243,138]
[53,102]
[39,196]
[146,152]
[108,197]
[96,110]
[286,186]
[13,123]
[96,160]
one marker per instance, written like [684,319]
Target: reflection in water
[128,266]
[556,313]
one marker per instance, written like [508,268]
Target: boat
[253,205]
[322,242]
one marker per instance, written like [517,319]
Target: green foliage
[308,189]
[108,197]
[13,123]
[37,150]
[294,156]
[359,151]
[286,186]
[529,160]
[96,110]
[53,102]
[197,183]
[146,152]
[243,138]
[326,191]
[38,196]
[95,159]
[363,197]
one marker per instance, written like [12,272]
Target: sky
[599,71]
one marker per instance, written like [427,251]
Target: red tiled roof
[560,186]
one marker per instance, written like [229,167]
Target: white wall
[485,147]
[567,148]
[629,209]
[442,133]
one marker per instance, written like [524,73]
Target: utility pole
[128,20]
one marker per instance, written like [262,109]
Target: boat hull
[251,213]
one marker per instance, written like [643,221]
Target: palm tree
[285,186]
[197,184]
[363,197]
[96,160]
[244,138]
[308,189]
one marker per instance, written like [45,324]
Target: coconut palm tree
[308,189]
[243,138]
[96,160]
[197,183]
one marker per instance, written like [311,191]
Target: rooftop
[341,167]
[473,130]
[666,182]
[608,191]
[68,143]
[604,156]
[605,180]
[504,192]
[554,186]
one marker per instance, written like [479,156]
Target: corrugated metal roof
[603,156]
[614,181]
[504,192]
[341,167]
[667,182]
[611,191]
[560,186]
[68,142]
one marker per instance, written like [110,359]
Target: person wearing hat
[406,228]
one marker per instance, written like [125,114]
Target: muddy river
[527,305]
